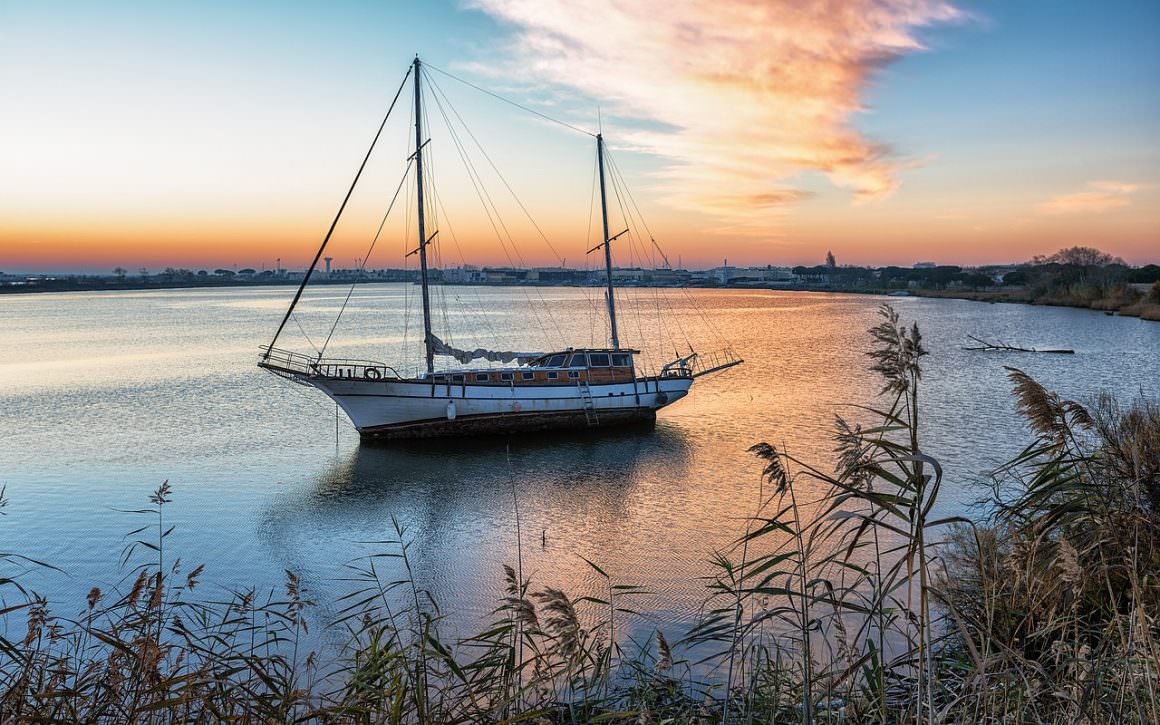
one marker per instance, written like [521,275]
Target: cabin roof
[621,350]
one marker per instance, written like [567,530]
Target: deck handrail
[705,363]
[299,364]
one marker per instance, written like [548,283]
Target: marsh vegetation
[847,597]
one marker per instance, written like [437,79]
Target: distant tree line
[1069,268]
[937,278]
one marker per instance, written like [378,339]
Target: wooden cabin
[592,366]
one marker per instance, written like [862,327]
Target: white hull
[415,408]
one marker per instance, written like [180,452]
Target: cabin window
[440,378]
[579,360]
[556,361]
[482,377]
[528,376]
[457,378]
[574,374]
[598,359]
[553,376]
[620,360]
[506,377]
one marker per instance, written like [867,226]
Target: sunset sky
[213,134]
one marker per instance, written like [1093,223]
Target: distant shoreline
[1142,310]
[81,285]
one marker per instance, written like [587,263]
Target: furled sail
[439,347]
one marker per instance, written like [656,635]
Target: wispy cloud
[1100,197]
[745,93]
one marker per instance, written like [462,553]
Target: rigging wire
[619,183]
[475,310]
[628,193]
[492,213]
[326,240]
[466,156]
[631,255]
[657,295]
[588,260]
[407,287]
[436,243]
[366,257]
[630,212]
[509,101]
[712,328]
[495,168]
[303,331]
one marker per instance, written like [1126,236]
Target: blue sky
[185,133]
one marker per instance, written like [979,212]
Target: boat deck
[571,367]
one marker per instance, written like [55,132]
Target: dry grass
[1143,309]
[1122,299]
[856,604]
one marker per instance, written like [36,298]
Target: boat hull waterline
[417,409]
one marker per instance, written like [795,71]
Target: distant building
[752,275]
[628,274]
[556,275]
[925,265]
[504,275]
[467,274]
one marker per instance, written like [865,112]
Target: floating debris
[1001,347]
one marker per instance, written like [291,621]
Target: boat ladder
[587,403]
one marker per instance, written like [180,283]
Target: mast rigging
[568,388]
[607,245]
[428,343]
[341,208]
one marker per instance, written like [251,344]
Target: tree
[1015,278]
[1080,257]
[830,261]
[120,272]
[978,280]
[1145,274]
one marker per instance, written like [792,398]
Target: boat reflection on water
[435,469]
[595,494]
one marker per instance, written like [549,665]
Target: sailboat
[581,387]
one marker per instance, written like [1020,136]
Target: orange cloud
[1103,196]
[747,93]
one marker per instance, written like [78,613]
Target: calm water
[103,396]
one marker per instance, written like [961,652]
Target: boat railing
[287,362]
[705,363]
[682,367]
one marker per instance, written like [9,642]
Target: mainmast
[428,342]
[607,244]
